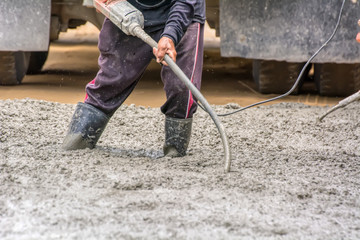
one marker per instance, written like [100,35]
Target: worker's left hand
[165,46]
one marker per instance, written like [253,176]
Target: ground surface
[291,178]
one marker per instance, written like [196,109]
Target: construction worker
[178,27]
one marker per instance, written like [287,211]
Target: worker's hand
[101,1]
[358,37]
[165,46]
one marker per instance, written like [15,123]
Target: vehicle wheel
[13,67]
[37,61]
[337,79]
[277,77]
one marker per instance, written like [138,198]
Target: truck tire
[37,61]
[277,77]
[13,67]
[338,80]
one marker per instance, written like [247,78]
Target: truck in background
[281,35]
[27,27]
[278,35]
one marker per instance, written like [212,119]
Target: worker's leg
[122,61]
[180,102]
[181,105]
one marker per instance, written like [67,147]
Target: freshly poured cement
[291,177]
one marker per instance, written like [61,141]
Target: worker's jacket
[174,16]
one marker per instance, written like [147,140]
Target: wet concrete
[291,178]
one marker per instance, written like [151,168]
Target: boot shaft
[177,136]
[86,127]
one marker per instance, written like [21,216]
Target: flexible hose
[140,33]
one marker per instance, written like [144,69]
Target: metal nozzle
[341,104]
[122,14]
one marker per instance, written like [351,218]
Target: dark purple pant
[123,60]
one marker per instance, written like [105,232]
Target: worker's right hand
[101,1]
[358,35]
[165,46]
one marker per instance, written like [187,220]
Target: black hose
[300,75]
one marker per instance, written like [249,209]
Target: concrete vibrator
[131,21]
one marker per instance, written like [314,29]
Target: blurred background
[72,63]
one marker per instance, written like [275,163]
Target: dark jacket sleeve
[180,17]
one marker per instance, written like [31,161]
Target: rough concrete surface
[291,178]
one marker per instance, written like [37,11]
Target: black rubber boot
[86,127]
[177,136]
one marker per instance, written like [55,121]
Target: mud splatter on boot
[177,136]
[86,127]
